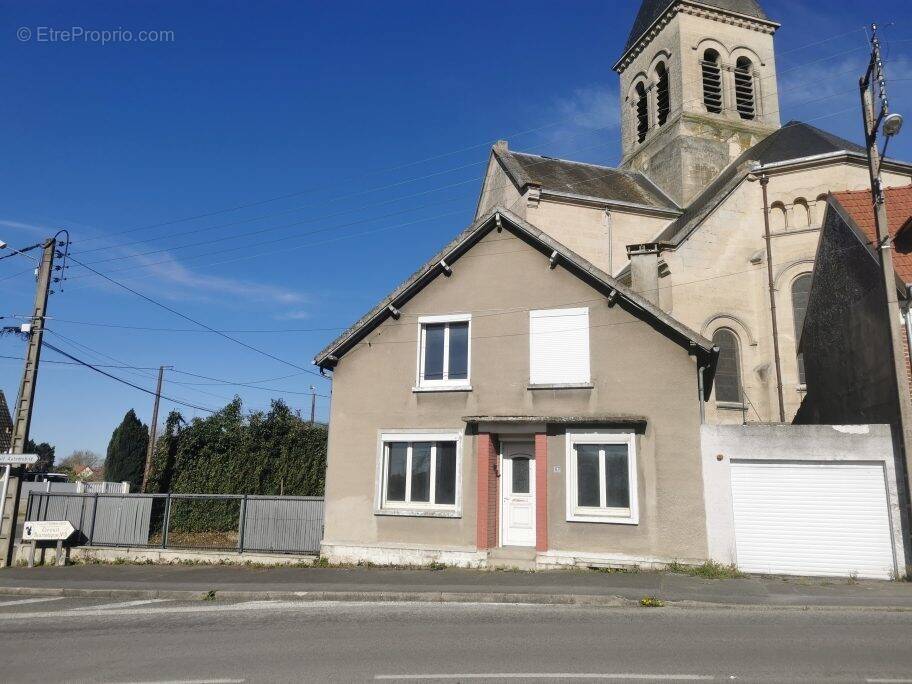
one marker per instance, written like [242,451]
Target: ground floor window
[602,477]
[419,472]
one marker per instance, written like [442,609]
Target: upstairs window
[559,347]
[642,112]
[419,471]
[712,81]
[801,295]
[444,352]
[744,88]
[728,368]
[663,98]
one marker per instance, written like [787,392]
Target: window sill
[420,512]
[609,519]
[444,388]
[731,406]
[561,386]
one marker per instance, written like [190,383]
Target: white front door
[517,487]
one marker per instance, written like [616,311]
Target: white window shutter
[559,346]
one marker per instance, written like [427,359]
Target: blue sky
[371,120]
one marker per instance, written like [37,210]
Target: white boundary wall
[771,443]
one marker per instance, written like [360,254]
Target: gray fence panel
[122,521]
[286,524]
[279,524]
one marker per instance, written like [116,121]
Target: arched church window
[728,367]
[663,98]
[744,88]
[712,81]
[820,209]
[778,217]
[802,213]
[642,112]
[801,294]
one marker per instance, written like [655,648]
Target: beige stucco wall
[498,190]
[598,234]
[715,283]
[635,370]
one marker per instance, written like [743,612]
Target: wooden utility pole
[153,429]
[23,414]
[884,245]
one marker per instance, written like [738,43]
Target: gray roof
[589,180]
[567,258]
[651,10]
[6,425]
[795,140]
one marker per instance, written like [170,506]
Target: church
[679,218]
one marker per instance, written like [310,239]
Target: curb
[587,600]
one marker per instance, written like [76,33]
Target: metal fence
[280,524]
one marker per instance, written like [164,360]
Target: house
[846,334]
[510,394]
[700,111]
[566,382]
[6,425]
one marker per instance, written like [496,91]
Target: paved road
[47,639]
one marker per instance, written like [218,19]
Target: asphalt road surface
[63,639]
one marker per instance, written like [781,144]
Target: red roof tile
[859,205]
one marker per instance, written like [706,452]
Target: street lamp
[892,124]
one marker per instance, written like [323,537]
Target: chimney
[644,269]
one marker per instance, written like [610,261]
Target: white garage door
[811,518]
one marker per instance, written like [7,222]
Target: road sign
[18,459]
[47,530]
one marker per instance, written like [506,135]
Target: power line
[121,380]
[197,322]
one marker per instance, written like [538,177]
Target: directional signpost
[8,461]
[47,530]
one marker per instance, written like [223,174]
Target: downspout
[700,398]
[610,242]
[908,318]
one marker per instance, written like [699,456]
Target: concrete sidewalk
[377,584]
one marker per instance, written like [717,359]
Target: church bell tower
[698,88]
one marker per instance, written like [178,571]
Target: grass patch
[651,602]
[210,595]
[708,570]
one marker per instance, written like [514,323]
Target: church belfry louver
[698,88]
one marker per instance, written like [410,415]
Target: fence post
[94,515]
[242,521]
[166,521]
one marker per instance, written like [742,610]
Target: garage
[803,499]
[812,518]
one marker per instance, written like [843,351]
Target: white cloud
[28,227]
[589,119]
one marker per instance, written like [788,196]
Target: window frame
[446,383]
[418,508]
[740,403]
[576,513]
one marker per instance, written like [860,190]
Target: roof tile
[860,206]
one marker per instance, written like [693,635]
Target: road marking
[22,602]
[550,675]
[189,681]
[122,604]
